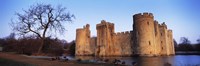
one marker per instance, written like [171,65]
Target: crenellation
[169,30]
[104,24]
[156,21]
[127,32]
[83,38]
[114,33]
[131,31]
[123,33]
[79,29]
[148,38]
[164,25]
[143,15]
[118,33]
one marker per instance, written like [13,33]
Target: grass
[7,62]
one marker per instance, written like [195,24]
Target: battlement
[86,27]
[123,33]
[163,25]
[169,30]
[156,21]
[143,15]
[104,23]
[79,29]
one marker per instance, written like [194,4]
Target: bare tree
[11,36]
[41,19]
[185,40]
[198,40]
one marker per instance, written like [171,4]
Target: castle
[148,38]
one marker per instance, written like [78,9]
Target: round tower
[83,41]
[144,34]
[80,34]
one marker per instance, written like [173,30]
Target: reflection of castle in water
[141,61]
[148,38]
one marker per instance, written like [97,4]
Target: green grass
[7,62]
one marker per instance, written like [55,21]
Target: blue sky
[182,16]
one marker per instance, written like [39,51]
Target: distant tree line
[29,45]
[185,45]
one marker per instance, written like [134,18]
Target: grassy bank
[7,62]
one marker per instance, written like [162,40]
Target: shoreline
[187,53]
[41,62]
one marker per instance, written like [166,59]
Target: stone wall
[145,34]
[157,38]
[93,43]
[105,31]
[110,43]
[124,42]
[151,38]
[148,38]
[171,43]
[164,39]
[83,41]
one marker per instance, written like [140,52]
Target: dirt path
[40,62]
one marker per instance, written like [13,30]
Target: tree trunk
[41,46]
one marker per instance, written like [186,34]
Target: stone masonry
[83,44]
[148,38]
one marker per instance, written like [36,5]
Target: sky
[182,16]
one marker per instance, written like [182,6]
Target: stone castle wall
[164,39]
[93,42]
[105,40]
[157,38]
[148,38]
[124,42]
[145,34]
[171,43]
[110,43]
[83,41]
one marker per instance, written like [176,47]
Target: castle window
[161,42]
[138,33]
[149,43]
[162,48]
[161,34]
[148,23]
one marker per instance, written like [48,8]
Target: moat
[177,60]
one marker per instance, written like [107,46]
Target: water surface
[177,60]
